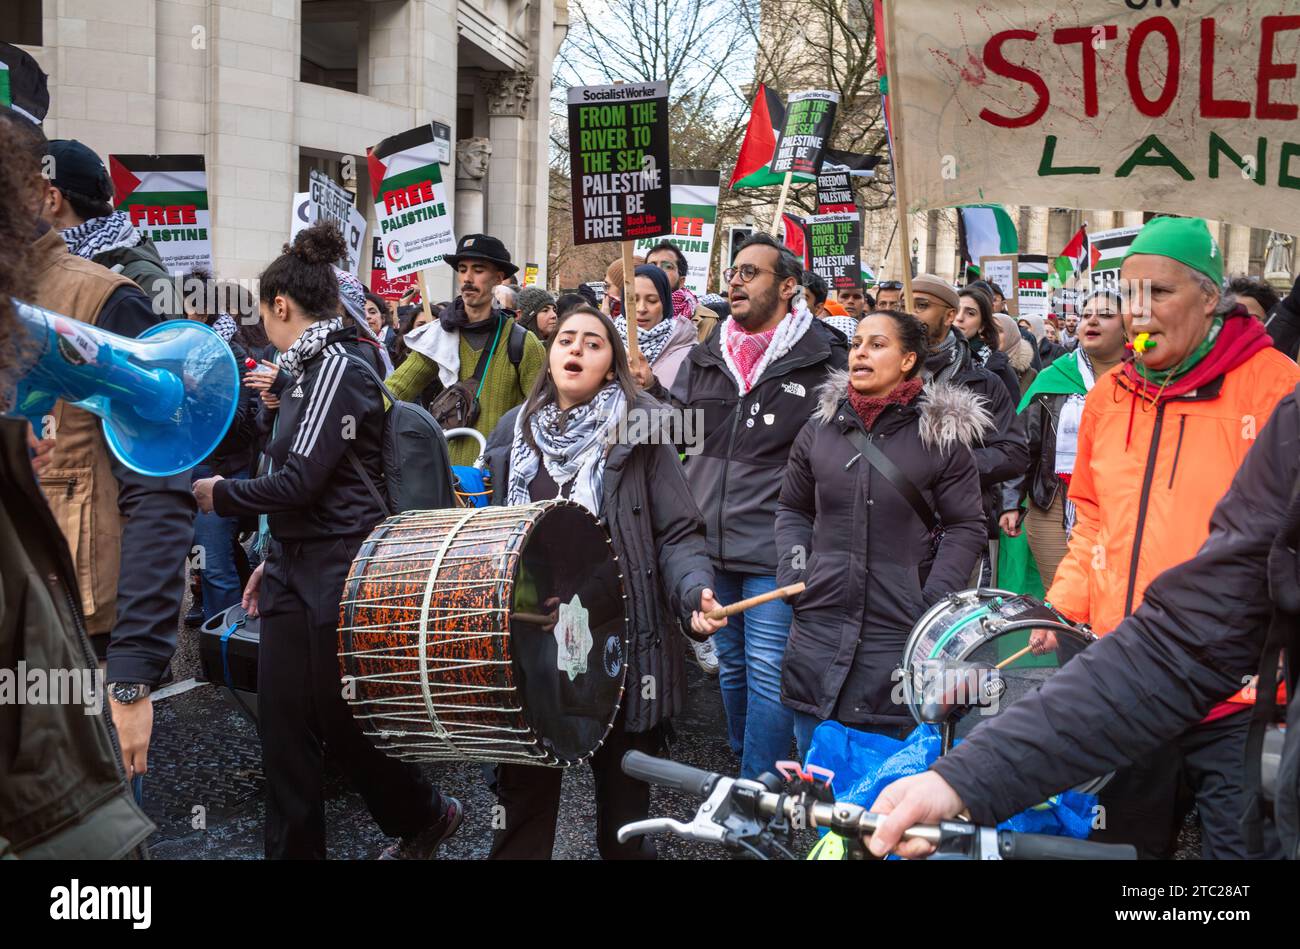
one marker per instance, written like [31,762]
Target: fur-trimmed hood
[949,414]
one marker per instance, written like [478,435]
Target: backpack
[457,406]
[417,466]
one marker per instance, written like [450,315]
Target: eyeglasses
[921,305]
[667,265]
[747,273]
[889,285]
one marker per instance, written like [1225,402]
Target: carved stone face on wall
[472,157]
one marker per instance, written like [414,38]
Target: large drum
[487,634]
[984,628]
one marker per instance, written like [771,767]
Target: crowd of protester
[1054,430]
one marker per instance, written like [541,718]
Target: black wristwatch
[128,693]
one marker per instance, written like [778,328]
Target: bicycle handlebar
[854,821]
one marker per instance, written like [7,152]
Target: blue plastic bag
[474,485]
[864,764]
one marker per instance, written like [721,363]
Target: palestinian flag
[985,230]
[766,119]
[868,278]
[1111,246]
[855,165]
[166,198]
[797,237]
[23,84]
[1078,257]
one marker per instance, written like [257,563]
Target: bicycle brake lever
[656,825]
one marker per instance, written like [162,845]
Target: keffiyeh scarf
[571,444]
[651,342]
[684,304]
[99,235]
[225,326]
[311,342]
[747,355]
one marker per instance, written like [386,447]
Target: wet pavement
[205,789]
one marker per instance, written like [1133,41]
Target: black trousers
[301,706]
[1145,803]
[530,797]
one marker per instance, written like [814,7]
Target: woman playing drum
[586,433]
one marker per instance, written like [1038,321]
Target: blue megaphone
[166,397]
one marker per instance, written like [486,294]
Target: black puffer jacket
[659,538]
[1003,454]
[865,548]
[736,478]
[1197,634]
[1283,323]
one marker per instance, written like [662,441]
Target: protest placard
[390,288]
[1002,269]
[327,201]
[835,193]
[1033,296]
[694,224]
[809,119]
[166,198]
[530,275]
[1193,109]
[618,157]
[835,242]
[410,201]
[1113,244]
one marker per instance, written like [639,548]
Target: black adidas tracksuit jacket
[314,492]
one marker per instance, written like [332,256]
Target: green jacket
[143,264]
[504,386]
[62,790]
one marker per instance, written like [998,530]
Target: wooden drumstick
[780,593]
[1010,659]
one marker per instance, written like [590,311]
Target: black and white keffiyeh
[309,344]
[225,326]
[651,342]
[99,235]
[572,446]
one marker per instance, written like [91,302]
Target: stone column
[1099,220]
[507,189]
[1236,256]
[1035,238]
[945,254]
[1132,219]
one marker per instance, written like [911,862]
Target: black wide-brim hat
[482,247]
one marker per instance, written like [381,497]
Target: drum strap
[901,482]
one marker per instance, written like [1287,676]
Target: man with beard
[467,342]
[753,383]
[1004,453]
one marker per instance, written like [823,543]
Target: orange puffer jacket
[1144,495]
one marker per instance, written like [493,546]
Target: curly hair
[304,271]
[22,143]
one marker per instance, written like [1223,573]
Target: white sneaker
[706,656]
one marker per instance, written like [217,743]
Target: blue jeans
[217,536]
[750,650]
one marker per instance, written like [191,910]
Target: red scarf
[869,407]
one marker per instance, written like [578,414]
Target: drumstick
[1010,659]
[780,593]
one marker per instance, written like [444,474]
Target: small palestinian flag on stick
[766,119]
[1078,257]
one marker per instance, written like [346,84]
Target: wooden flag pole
[780,204]
[629,294]
[424,296]
[629,302]
[896,126]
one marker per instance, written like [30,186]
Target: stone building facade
[267,90]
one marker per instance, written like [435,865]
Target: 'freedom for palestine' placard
[808,123]
[836,241]
[618,161]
